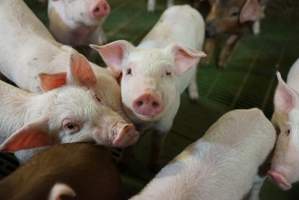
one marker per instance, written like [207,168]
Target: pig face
[71,112]
[227,16]
[148,76]
[86,12]
[285,163]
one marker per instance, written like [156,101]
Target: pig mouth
[279,179]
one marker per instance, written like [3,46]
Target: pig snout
[124,135]
[210,30]
[279,179]
[100,9]
[148,104]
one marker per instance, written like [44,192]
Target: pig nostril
[105,7]
[155,104]
[139,103]
[96,10]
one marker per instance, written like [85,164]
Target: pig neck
[20,107]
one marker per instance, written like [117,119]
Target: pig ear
[285,98]
[52,81]
[32,135]
[80,72]
[251,11]
[114,54]
[185,58]
[61,190]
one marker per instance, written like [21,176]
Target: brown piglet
[232,17]
[75,171]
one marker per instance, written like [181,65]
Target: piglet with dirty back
[232,17]
[223,164]
[78,22]
[67,112]
[156,72]
[285,163]
[77,171]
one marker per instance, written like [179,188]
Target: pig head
[70,112]
[285,163]
[77,22]
[149,77]
[229,16]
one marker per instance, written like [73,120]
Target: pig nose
[100,9]
[148,104]
[210,30]
[126,136]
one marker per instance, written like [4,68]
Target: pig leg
[228,48]
[192,89]
[209,48]
[157,140]
[256,27]
[256,188]
[151,5]
[170,3]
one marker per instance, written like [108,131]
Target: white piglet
[222,165]
[78,22]
[67,112]
[156,72]
[28,49]
[285,163]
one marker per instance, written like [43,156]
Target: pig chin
[147,118]
[280,178]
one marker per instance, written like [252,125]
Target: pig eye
[98,99]
[288,132]
[129,71]
[235,12]
[168,73]
[70,126]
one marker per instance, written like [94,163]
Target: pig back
[178,24]
[86,168]
[245,129]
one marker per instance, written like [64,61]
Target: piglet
[231,17]
[223,164]
[82,171]
[156,72]
[285,163]
[22,34]
[78,22]
[67,112]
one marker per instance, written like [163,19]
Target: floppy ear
[114,54]
[285,98]
[52,81]
[251,11]
[32,135]
[185,58]
[80,72]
